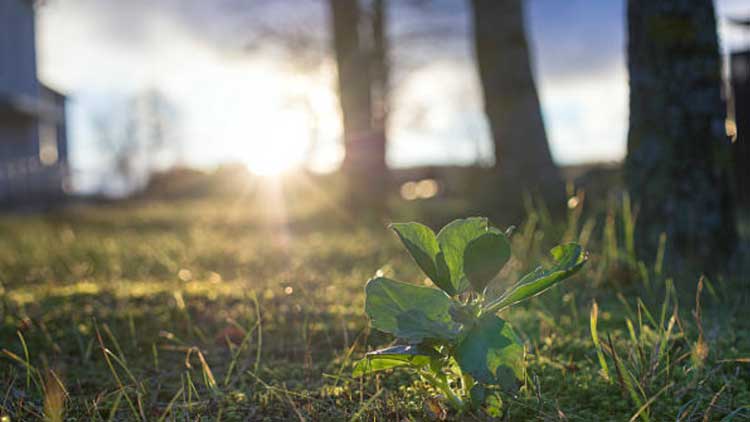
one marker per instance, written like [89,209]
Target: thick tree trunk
[364,160]
[522,154]
[678,153]
[740,77]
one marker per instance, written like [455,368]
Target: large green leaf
[567,260]
[395,356]
[408,311]
[484,257]
[491,353]
[423,246]
[453,239]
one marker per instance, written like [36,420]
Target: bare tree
[116,139]
[137,137]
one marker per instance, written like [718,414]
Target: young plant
[451,336]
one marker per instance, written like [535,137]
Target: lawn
[239,309]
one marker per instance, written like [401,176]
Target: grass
[225,309]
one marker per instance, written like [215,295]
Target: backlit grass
[227,309]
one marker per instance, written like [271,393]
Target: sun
[271,160]
[279,145]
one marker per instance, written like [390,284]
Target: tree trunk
[364,160]
[740,78]
[678,153]
[522,156]
[380,65]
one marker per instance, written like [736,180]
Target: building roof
[26,105]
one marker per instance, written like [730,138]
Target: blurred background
[247,82]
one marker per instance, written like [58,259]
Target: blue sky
[233,102]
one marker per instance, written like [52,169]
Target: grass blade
[366,405]
[595,338]
[649,402]
[171,404]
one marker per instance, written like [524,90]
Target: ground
[250,309]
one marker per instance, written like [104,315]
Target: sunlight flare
[281,145]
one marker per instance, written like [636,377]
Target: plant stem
[441,383]
[467,382]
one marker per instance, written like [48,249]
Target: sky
[237,99]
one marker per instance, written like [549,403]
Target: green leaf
[423,246]
[568,259]
[491,353]
[493,405]
[453,239]
[488,398]
[392,357]
[477,394]
[484,257]
[408,311]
